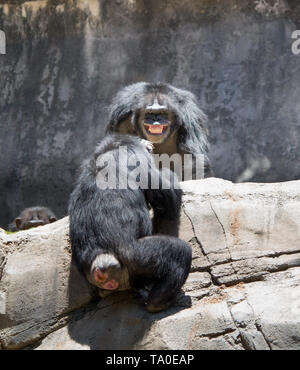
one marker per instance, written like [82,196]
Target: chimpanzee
[32,217]
[168,117]
[111,228]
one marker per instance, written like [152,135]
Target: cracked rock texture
[243,291]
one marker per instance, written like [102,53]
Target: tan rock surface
[243,291]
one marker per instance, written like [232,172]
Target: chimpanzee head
[33,217]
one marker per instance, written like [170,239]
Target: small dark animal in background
[165,115]
[32,217]
[111,229]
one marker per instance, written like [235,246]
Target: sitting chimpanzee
[111,228]
[32,217]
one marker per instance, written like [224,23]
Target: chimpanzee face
[156,120]
[33,218]
[25,224]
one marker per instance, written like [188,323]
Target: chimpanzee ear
[52,219]
[18,222]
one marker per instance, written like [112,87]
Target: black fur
[190,120]
[117,221]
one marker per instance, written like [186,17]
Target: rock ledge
[243,291]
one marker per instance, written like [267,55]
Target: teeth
[156,130]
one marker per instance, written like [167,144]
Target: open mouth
[156,129]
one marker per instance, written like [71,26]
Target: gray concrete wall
[65,59]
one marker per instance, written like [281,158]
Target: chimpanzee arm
[166,204]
